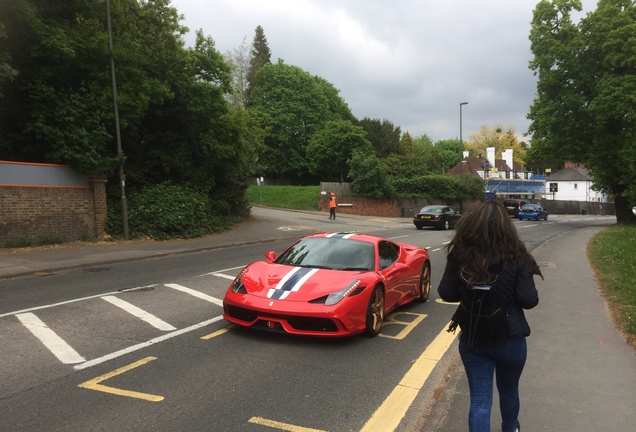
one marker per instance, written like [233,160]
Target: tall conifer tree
[261,55]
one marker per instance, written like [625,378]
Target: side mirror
[271,255]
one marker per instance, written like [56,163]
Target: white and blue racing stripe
[340,235]
[292,281]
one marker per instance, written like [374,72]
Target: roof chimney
[507,157]
[490,155]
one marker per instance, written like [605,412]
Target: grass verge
[612,253]
[290,197]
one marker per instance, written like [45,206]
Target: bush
[161,212]
[434,186]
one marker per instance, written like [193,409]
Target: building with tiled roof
[573,183]
[503,178]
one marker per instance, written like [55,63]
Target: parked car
[436,216]
[532,211]
[329,284]
[513,206]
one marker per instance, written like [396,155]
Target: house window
[576,186]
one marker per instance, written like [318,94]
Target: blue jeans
[507,363]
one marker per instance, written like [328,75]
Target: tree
[290,106]
[331,148]
[585,109]
[52,110]
[260,56]
[239,60]
[368,177]
[499,138]
[406,142]
[450,152]
[421,160]
[384,136]
[175,122]
[337,106]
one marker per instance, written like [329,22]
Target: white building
[572,184]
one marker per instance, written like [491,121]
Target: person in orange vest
[332,206]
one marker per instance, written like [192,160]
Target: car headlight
[237,285]
[334,298]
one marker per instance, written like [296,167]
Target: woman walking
[490,272]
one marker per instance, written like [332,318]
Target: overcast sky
[408,61]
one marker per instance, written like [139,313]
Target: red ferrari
[329,284]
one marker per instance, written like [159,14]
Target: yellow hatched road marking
[94,384]
[393,409]
[408,325]
[281,426]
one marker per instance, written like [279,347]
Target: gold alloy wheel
[425,283]
[375,315]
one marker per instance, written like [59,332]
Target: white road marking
[221,275]
[140,313]
[73,301]
[221,271]
[60,349]
[195,293]
[142,345]
[527,226]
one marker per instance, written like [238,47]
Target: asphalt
[580,375]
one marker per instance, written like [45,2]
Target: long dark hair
[484,242]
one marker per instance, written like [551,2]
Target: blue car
[532,211]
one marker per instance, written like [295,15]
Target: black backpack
[481,314]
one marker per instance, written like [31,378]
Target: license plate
[425,217]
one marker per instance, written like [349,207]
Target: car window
[431,209]
[389,253]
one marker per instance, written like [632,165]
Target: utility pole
[120,153]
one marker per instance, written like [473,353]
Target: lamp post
[460,121]
[120,153]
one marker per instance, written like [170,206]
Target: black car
[436,216]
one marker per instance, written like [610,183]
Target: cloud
[408,61]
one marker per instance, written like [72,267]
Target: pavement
[258,229]
[580,375]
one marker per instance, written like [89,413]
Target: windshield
[332,253]
[529,207]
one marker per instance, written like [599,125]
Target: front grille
[298,323]
[240,313]
[313,324]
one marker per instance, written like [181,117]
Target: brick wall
[64,213]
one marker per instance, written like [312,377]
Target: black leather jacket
[516,284]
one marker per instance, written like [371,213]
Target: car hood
[283,282]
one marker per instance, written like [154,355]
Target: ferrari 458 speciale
[329,284]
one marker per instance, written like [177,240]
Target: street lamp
[460,122]
[120,153]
